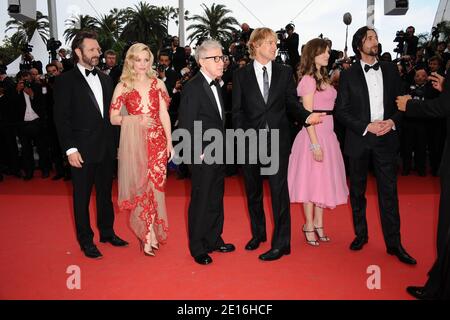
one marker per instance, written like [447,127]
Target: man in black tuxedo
[83,96]
[201,101]
[263,104]
[438,284]
[366,107]
[32,116]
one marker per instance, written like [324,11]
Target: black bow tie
[375,67]
[214,83]
[88,72]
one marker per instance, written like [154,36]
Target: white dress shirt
[374,80]
[216,94]
[30,115]
[96,87]
[260,74]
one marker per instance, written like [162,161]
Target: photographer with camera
[414,133]
[292,42]
[28,61]
[177,55]
[29,101]
[57,156]
[168,75]
[67,63]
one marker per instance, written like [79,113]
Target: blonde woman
[145,146]
[316,173]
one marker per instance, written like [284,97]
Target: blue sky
[319,17]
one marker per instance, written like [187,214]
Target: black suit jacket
[78,120]
[198,104]
[353,108]
[251,111]
[436,108]
[37,103]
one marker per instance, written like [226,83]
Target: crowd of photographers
[26,102]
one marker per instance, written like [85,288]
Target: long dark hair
[310,51]
[358,39]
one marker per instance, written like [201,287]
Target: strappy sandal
[314,242]
[323,238]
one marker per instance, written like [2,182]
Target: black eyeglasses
[218,58]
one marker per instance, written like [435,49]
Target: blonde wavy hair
[128,74]
[310,51]
[257,37]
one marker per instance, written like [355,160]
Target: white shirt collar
[81,68]
[259,66]
[206,77]
[363,63]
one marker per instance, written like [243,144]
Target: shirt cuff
[367,130]
[306,121]
[71,151]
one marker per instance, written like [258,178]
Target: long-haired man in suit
[263,94]
[201,102]
[83,96]
[366,107]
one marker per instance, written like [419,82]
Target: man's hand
[437,80]
[315,118]
[374,127]
[385,127]
[402,101]
[75,160]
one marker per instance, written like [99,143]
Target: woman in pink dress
[145,147]
[316,174]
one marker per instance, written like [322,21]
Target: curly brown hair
[310,51]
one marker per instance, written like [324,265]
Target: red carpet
[38,245]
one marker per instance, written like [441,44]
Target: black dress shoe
[203,259]
[402,255]
[274,254]
[253,244]
[91,251]
[358,243]
[418,293]
[115,241]
[226,247]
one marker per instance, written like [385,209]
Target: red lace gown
[143,164]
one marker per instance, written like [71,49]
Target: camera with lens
[417,93]
[161,67]
[400,39]
[27,84]
[435,32]
[3,68]
[281,35]
[26,48]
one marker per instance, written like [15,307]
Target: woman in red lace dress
[145,146]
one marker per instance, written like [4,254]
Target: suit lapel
[105,94]
[385,89]
[276,71]
[88,89]
[209,93]
[364,87]
[254,82]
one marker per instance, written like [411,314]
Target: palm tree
[25,30]
[146,24]
[109,30]
[214,23]
[79,23]
[172,13]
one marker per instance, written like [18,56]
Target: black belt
[328,112]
